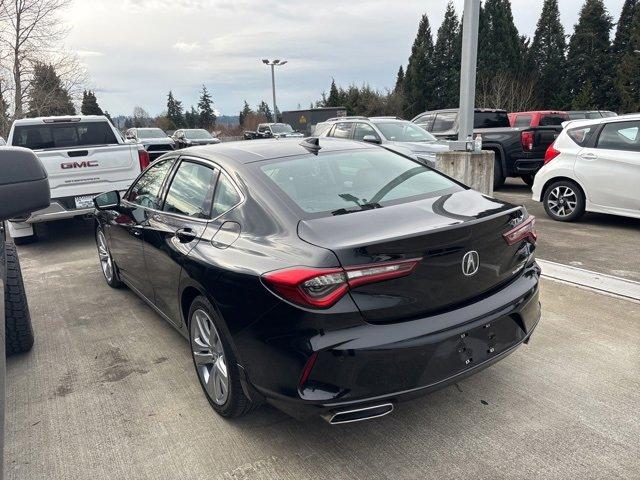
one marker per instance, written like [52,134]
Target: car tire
[18,328]
[498,174]
[564,201]
[528,179]
[107,264]
[212,359]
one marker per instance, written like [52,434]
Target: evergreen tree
[334,99]
[547,58]
[446,60]
[628,70]
[399,88]
[174,111]
[244,113]
[48,97]
[90,104]
[589,58]
[420,75]
[264,111]
[500,47]
[623,31]
[192,119]
[205,107]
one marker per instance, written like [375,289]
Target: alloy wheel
[209,357]
[562,201]
[106,262]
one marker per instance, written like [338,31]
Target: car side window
[146,191]
[523,121]
[191,190]
[620,136]
[341,130]
[425,121]
[444,121]
[226,196]
[362,130]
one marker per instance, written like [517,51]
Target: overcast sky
[137,50]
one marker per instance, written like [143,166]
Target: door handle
[588,156]
[185,235]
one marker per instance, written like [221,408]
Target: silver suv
[404,136]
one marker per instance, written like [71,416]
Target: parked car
[189,137]
[540,118]
[590,114]
[329,277]
[388,131]
[83,156]
[153,140]
[593,166]
[272,130]
[304,121]
[23,188]
[519,151]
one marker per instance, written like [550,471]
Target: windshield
[281,128]
[404,132]
[199,134]
[344,182]
[150,133]
[63,135]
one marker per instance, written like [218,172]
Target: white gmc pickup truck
[83,156]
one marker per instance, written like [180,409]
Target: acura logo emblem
[470,263]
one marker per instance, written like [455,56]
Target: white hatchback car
[594,166]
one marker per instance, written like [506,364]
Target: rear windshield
[199,134]
[281,128]
[553,119]
[490,120]
[342,182]
[150,133]
[63,135]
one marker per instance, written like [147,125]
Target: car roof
[541,112]
[242,152]
[58,119]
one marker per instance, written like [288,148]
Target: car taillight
[551,153]
[526,139]
[526,230]
[323,287]
[143,158]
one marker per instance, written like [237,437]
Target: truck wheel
[564,201]
[498,174]
[18,329]
[528,179]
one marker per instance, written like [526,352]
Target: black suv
[519,150]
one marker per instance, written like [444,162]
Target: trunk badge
[470,263]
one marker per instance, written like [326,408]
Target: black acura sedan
[327,277]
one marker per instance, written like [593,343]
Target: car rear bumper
[371,364]
[527,166]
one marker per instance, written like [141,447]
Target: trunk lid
[443,231]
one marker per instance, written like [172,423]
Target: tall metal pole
[471,21]
[273,87]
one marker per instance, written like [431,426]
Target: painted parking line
[608,284]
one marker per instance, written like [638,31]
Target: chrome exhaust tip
[359,414]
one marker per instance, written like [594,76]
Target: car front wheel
[564,201]
[215,362]
[109,269]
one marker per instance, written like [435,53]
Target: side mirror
[24,187]
[107,200]
[371,139]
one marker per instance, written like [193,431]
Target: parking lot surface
[109,392]
[602,243]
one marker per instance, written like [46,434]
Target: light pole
[273,64]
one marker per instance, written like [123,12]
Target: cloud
[186,47]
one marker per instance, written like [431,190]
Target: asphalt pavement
[109,390]
[602,243]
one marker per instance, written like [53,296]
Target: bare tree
[504,91]
[32,31]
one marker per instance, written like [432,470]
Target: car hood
[156,141]
[288,135]
[203,141]
[423,147]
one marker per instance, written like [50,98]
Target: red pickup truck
[539,118]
